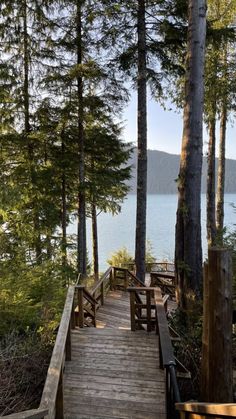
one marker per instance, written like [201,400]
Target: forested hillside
[163,170]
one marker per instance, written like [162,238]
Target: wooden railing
[165,281]
[206,410]
[122,278]
[52,397]
[163,266]
[149,310]
[28,414]
[142,312]
[167,358]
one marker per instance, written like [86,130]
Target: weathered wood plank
[223,410]
[28,414]
[153,407]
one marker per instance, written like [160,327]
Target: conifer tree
[188,256]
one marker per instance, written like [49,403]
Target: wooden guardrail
[206,410]
[154,317]
[167,358]
[122,278]
[138,306]
[52,397]
[165,281]
[28,414]
[163,266]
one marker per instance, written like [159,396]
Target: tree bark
[140,240]
[27,128]
[217,371]
[95,241]
[63,209]
[81,260]
[188,253]
[211,172]
[221,174]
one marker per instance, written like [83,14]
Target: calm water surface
[117,231]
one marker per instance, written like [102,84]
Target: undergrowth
[24,361]
[188,351]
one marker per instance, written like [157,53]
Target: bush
[123,258]
[24,362]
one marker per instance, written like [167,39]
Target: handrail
[129,274]
[205,410]
[167,358]
[164,264]
[28,414]
[138,281]
[52,397]
[100,284]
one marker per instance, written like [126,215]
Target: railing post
[132,310]
[126,284]
[148,302]
[68,343]
[73,320]
[59,400]
[80,305]
[168,398]
[112,276]
[102,293]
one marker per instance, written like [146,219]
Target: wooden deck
[114,373]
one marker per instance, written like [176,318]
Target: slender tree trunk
[81,157]
[188,248]
[49,245]
[221,174]
[140,241]
[211,172]
[37,239]
[64,209]
[95,241]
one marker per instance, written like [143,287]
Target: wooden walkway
[114,373]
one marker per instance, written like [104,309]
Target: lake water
[117,231]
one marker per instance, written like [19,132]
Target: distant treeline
[163,170]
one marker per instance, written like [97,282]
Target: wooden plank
[152,407]
[104,412]
[113,374]
[218,409]
[28,414]
[106,379]
[116,390]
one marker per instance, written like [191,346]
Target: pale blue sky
[165,129]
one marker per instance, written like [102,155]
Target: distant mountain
[163,169]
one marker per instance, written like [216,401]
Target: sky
[165,129]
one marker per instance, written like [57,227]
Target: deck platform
[114,373]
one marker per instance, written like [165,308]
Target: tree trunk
[140,241]
[64,210]
[36,223]
[211,172]
[81,261]
[95,241]
[217,371]
[188,253]
[221,175]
